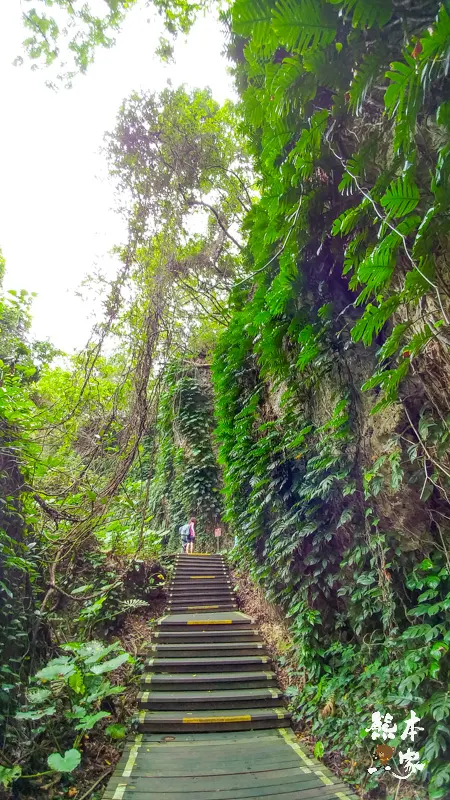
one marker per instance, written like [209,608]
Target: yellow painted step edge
[211,720]
[209,622]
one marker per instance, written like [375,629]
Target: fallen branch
[94,785]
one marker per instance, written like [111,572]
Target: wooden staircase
[212,723]
[208,669]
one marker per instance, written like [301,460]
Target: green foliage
[116,731]
[67,694]
[319,750]
[340,119]
[9,774]
[343,289]
[401,198]
[366,14]
[185,479]
[73,31]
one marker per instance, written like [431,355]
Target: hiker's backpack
[184,531]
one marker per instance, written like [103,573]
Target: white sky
[56,204]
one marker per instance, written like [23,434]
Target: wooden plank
[191,759]
[201,740]
[288,778]
[185,681]
[162,647]
[264,739]
[216,768]
[210,696]
[253,750]
[193,635]
[207,664]
[282,793]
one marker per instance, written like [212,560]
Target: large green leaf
[76,682]
[89,720]
[92,651]
[36,713]
[57,668]
[113,663]
[66,763]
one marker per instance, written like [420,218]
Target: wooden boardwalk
[212,722]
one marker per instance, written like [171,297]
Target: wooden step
[201,567]
[213,720]
[200,555]
[198,599]
[208,681]
[200,589]
[208,575]
[208,602]
[226,765]
[213,621]
[198,564]
[180,607]
[203,577]
[207,664]
[206,649]
[192,700]
[192,635]
[206,556]
[200,578]
[304,787]
[182,594]
[187,573]
[212,585]
[202,586]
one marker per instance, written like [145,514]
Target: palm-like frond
[373,320]
[365,76]
[290,87]
[253,18]
[435,57]
[366,13]
[401,197]
[303,24]
[350,218]
[403,98]
[132,605]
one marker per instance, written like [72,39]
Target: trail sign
[217,531]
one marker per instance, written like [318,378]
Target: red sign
[217,532]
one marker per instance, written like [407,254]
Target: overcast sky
[56,204]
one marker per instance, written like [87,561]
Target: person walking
[191,540]
[184,533]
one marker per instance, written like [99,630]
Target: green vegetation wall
[184,475]
[332,378]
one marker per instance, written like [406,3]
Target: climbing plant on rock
[333,417]
[185,480]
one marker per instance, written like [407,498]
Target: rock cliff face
[372,437]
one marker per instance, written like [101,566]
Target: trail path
[212,722]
